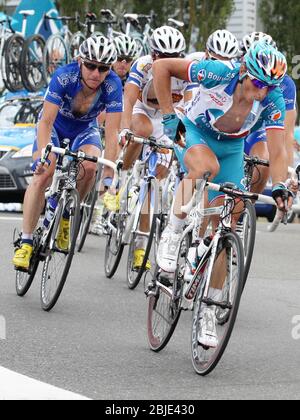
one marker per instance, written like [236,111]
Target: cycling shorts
[253,139]
[229,152]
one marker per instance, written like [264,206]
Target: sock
[215,294]
[177,223]
[27,238]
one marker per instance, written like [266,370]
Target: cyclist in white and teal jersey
[235,100]
[77,94]
[256,143]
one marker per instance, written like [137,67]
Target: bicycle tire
[250,235]
[133,282]
[47,303]
[110,268]
[56,54]
[156,340]
[24,280]
[204,360]
[87,213]
[31,63]
[76,40]
[11,63]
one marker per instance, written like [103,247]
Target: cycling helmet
[223,43]
[266,63]
[167,40]
[126,46]
[249,39]
[98,49]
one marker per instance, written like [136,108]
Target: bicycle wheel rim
[248,237]
[204,360]
[55,55]
[148,207]
[57,264]
[114,246]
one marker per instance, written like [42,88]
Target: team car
[18,117]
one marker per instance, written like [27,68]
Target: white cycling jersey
[141,76]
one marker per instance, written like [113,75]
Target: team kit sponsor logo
[201,75]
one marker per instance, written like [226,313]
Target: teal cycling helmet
[266,63]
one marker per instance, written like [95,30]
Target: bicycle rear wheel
[228,262]
[56,54]
[11,63]
[31,64]
[148,206]
[115,225]
[58,262]
[164,306]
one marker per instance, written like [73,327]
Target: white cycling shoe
[207,335]
[168,250]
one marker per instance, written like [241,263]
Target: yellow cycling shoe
[63,238]
[139,255]
[23,256]
[112,201]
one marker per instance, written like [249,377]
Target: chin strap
[242,77]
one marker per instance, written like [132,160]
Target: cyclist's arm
[45,125]
[278,155]
[101,119]
[289,123]
[131,95]
[163,71]
[112,126]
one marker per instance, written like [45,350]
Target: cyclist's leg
[256,145]
[90,143]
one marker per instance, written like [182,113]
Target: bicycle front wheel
[31,65]
[58,258]
[228,268]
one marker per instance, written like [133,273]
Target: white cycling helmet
[126,46]
[249,40]
[223,43]
[98,49]
[167,40]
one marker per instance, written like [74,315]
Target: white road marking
[11,218]
[14,386]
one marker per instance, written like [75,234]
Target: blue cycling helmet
[266,63]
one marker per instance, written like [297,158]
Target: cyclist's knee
[89,171]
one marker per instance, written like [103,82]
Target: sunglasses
[93,67]
[127,59]
[259,84]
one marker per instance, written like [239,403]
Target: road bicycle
[221,264]
[22,64]
[56,261]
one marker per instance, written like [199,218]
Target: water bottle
[191,263]
[132,199]
[50,210]
[203,247]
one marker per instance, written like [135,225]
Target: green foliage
[281,20]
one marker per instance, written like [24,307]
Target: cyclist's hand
[123,136]
[173,127]
[283,197]
[38,168]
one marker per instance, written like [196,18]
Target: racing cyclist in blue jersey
[77,94]
[256,143]
[234,101]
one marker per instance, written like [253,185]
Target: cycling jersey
[66,84]
[141,76]
[218,81]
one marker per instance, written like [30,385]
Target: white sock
[215,294]
[177,223]
[27,236]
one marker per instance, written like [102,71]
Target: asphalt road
[94,342]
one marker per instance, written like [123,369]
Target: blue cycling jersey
[289,92]
[218,81]
[65,85]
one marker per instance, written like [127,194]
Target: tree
[280,20]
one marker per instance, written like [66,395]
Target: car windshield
[19,112]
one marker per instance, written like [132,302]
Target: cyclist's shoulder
[143,65]
[211,73]
[196,56]
[288,84]
[112,83]
[67,75]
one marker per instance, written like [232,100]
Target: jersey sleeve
[289,91]
[56,90]
[114,100]
[274,114]
[137,75]
[211,73]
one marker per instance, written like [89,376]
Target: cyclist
[127,50]
[256,143]
[142,114]
[235,99]
[76,95]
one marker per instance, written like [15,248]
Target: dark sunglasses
[259,84]
[127,59]
[93,67]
